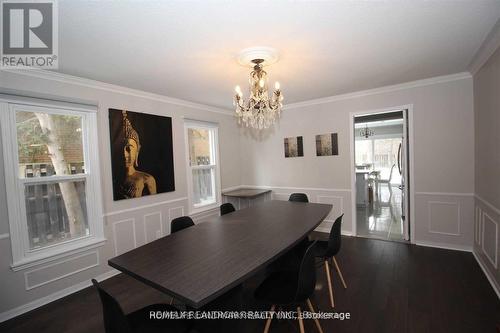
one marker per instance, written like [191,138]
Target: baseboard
[53,297]
[487,273]
[445,246]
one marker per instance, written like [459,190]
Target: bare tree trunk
[70,195]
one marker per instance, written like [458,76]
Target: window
[203,165]
[52,180]
[380,154]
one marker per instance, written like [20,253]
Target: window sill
[55,254]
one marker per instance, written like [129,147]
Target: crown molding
[83,82]
[490,44]
[75,80]
[381,90]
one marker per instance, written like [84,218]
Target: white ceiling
[188,50]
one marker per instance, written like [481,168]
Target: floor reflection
[382,218]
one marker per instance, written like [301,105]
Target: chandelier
[366,132]
[260,110]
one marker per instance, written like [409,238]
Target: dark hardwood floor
[392,287]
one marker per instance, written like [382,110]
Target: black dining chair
[177,225]
[327,250]
[180,223]
[298,197]
[291,288]
[116,321]
[226,208]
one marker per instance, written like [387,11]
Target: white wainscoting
[53,297]
[45,274]
[205,215]
[444,217]
[444,220]
[486,240]
[173,213]
[477,224]
[124,236]
[153,226]
[339,198]
[130,228]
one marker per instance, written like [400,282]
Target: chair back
[115,320]
[180,223]
[334,240]
[226,208]
[298,197]
[307,275]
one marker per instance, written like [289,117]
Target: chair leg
[268,321]
[316,320]
[330,288]
[340,273]
[301,323]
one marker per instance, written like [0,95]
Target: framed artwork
[142,160]
[294,147]
[327,144]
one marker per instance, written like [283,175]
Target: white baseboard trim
[487,273]
[53,297]
[455,247]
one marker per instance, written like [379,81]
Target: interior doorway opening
[381,175]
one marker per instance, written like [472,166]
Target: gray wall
[443,146]
[127,223]
[487,165]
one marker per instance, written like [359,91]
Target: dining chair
[180,223]
[387,180]
[327,250]
[116,321]
[177,225]
[226,208]
[298,197]
[291,288]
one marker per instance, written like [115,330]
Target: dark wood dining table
[200,263]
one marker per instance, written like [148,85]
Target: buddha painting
[135,183]
[139,159]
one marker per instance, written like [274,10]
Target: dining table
[198,264]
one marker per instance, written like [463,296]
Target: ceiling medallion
[260,110]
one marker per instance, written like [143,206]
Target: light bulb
[277,85]
[261,83]
[237,89]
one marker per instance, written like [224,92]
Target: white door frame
[411,190]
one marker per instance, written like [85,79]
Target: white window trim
[188,123]
[22,257]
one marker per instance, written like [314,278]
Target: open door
[403,171]
[381,174]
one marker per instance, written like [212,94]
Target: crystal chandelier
[366,132]
[259,110]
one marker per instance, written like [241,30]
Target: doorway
[381,175]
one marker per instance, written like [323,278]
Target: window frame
[214,130]
[22,256]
